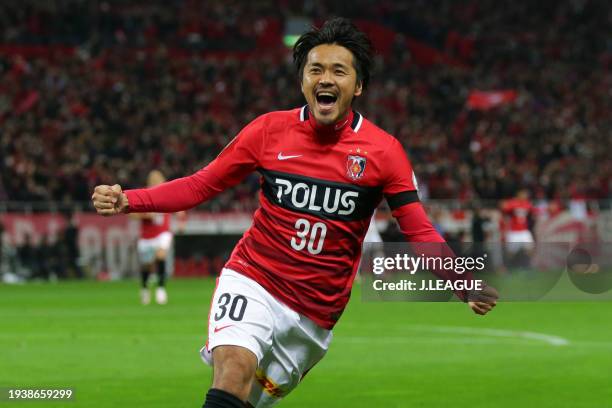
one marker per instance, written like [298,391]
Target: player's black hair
[340,31]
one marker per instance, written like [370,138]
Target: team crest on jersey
[355,166]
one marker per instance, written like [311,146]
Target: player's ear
[301,78]
[358,88]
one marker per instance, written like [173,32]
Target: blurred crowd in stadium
[137,93]
[104,91]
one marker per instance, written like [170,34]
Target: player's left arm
[400,190]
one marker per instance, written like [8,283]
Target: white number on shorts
[303,228]
[236,312]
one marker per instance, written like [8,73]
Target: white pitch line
[426,340]
[512,334]
[495,333]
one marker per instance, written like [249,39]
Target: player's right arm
[239,158]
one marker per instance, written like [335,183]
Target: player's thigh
[163,243]
[239,316]
[298,345]
[234,369]
[160,254]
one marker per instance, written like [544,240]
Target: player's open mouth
[326,100]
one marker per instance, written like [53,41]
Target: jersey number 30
[312,238]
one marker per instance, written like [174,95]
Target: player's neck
[331,129]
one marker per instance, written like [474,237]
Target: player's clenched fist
[484,300]
[109,200]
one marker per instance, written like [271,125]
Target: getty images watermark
[405,263]
[519,271]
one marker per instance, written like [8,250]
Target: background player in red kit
[324,168]
[153,245]
[517,214]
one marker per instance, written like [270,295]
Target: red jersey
[320,186]
[154,226]
[518,210]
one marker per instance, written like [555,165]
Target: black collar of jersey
[355,123]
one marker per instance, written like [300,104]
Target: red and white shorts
[287,344]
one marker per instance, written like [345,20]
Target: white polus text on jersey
[303,195]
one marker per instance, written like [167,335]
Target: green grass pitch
[97,339]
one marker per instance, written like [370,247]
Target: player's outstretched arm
[110,200]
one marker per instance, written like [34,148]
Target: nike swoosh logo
[281,157]
[218,329]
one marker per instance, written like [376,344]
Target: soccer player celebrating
[324,168]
